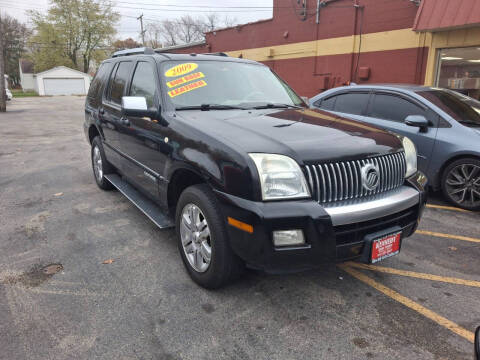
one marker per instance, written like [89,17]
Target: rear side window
[117,83]
[395,108]
[143,83]
[98,84]
[352,103]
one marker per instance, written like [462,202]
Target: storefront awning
[438,15]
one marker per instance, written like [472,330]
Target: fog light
[288,237]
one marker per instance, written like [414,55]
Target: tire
[223,266]
[461,183]
[100,165]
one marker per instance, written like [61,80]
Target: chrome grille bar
[331,182]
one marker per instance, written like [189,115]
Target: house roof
[61,67]
[26,66]
[181,46]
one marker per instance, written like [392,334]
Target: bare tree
[170,32]
[154,35]
[185,29]
[211,22]
[229,21]
[190,29]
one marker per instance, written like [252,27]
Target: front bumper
[333,234]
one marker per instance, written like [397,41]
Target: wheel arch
[93,131]
[438,181]
[181,178]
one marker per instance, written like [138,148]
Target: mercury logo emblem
[370,177]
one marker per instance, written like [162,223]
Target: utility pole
[3,101]
[142,32]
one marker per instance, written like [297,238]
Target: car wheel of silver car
[100,165]
[203,239]
[461,183]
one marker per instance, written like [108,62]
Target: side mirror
[417,120]
[306,100]
[136,106]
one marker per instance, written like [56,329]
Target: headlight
[280,177]
[410,156]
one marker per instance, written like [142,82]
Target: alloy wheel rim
[463,184]
[97,163]
[195,237]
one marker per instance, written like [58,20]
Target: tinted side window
[326,104]
[390,107]
[352,103]
[143,83]
[119,81]
[98,83]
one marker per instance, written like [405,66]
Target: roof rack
[135,51]
[216,54]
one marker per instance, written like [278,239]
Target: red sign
[186,88]
[184,79]
[386,246]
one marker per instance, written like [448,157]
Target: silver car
[8,94]
[443,124]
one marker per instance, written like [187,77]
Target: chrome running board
[147,206]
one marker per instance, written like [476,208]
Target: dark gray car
[443,124]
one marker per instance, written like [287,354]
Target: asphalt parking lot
[421,304]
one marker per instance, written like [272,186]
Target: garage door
[64,86]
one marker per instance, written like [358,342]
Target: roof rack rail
[135,51]
[216,54]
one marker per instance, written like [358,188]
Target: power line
[184,7]
[156,8]
[202,6]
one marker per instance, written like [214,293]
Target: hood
[305,135]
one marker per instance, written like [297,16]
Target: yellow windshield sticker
[186,88]
[181,69]
[185,79]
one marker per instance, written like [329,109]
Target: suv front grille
[330,182]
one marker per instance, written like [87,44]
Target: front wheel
[203,240]
[461,183]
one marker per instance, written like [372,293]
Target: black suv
[225,151]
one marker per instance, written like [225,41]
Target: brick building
[316,45]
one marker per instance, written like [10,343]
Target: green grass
[19,93]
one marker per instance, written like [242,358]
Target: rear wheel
[461,183]
[203,240]
[100,165]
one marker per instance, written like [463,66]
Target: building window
[459,70]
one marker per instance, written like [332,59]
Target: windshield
[462,108]
[225,84]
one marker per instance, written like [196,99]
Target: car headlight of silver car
[280,177]
[410,156]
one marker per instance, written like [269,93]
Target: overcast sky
[242,10]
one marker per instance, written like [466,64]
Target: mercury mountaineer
[226,152]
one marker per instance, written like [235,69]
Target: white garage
[62,80]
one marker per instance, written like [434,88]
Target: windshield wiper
[276,106]
[206,107]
